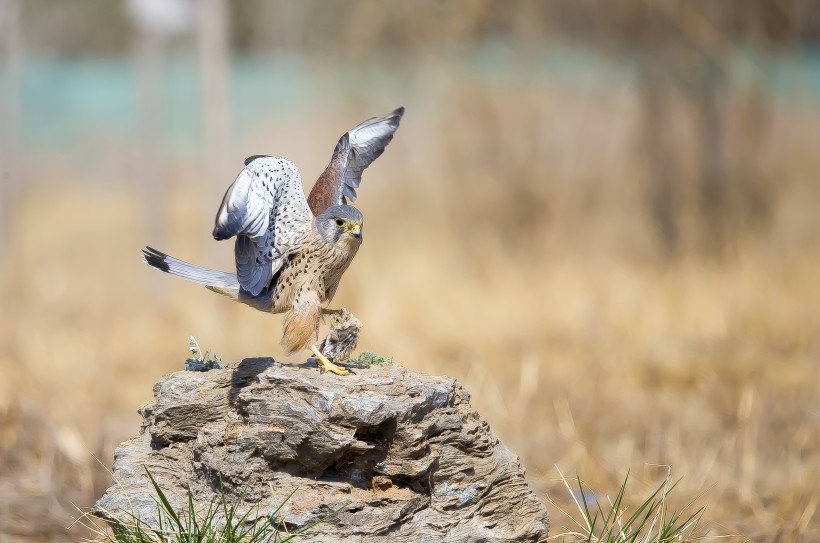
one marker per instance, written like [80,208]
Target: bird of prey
[291,251]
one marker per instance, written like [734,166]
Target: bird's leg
[327,365]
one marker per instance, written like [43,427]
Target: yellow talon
[327,365]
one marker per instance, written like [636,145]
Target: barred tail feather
[218,281]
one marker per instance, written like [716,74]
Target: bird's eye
[340,222]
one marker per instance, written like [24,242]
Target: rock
[401,455]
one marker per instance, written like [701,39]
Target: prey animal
[343,337]
[291,251]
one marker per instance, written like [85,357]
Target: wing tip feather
[254,157]
[222,232]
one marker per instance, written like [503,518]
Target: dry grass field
[618,257]
[531,275]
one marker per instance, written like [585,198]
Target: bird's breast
[318,270]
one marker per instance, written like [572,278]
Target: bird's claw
[327,365]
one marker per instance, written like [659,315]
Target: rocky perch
[401,455]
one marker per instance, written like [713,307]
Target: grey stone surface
[402,455]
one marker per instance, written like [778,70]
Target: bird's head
[340,225]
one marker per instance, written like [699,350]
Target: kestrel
[291,251]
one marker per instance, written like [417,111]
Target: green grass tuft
[650,522]
[219,523]
[369,358]
[202,362]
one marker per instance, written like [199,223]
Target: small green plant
[650,522]
[219,523]
[369,358]
[202,362]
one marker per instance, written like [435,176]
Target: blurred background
[602,218]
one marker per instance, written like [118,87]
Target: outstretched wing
[265,208]
[354,152]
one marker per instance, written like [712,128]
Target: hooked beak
[356,231]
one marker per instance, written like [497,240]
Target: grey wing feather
[253,267]
[266,210]
[354,152]
[367,143]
